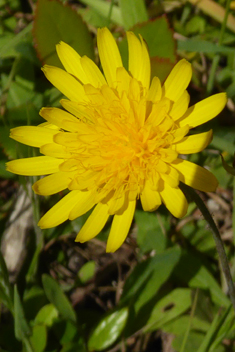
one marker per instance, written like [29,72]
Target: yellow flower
[118,139]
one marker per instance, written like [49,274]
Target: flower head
[118,139]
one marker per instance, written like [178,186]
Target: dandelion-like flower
[118,139]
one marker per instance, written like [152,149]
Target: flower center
[124,141]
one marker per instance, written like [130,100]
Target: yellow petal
[55,151]
[76,109]
[180,106]
[150,199]
[155,90]
[57,117]
[195,176]
[71,61]
[204,111]
[94,223]
[195,143]
[86,202]
[178,80]
[109,55]
[34,136]
[174,200]
[93,73]
[139,61]
[52,184]
[38,166]
[123,81]
[120,227]
[60,211]
[67,84]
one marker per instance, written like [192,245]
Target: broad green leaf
[38,339]
[103,9]
[57,297]
[191,271]
[55,22]
[6,296]
[133,12]
[169,307]
[161,67]
[149,233]
[87,271]
[22,329]
[108,330]
[148,276]
[179,326]
[46,315]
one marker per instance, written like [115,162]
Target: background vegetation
[163,290]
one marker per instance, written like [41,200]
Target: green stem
[218,241]
[190,321]
[216,58]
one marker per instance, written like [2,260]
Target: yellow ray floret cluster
[118,139]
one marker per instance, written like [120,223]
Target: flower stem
[216,58]
[218,241]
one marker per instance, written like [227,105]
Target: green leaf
[148,276]
[8,47]
[46,315]
[55,22]
[169,307]
[108,330]
[228,168]
[38,339]
[87,271]
[203,46]
[103,9]
[133,12]
[5,288]
[57,297]
[191,271]
[22,329]
[149,233]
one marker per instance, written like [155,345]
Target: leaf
[8,48]
[149,233]
[55,22]
[191,271]
[103,9]
[87,271]
[133,12]
[168,308]
[6,296]
[22,329]
[161,67]
[57,297]
[148,276]
[203,46]
[46,315]
[38,339]
[229,169]
[108,330]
